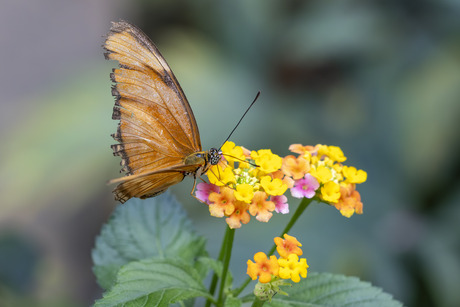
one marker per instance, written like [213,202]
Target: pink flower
[305,187]
[281,205]
[204,189]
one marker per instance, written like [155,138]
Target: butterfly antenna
[255,99]
[240,160]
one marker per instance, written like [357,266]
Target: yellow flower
[275,187]
[322,150]
[322,173]
[219,176]
[330,192]
[263,267]
[232,153]
[336,154]
[333,152]
[353,175]
[266,160]
[244,192]
[291,268]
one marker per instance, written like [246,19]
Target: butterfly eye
[214,156]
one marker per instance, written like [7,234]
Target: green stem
[227,255]
[237,292]
[215,277]
[300,209]
[257,303]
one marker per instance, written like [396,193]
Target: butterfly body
[158,138]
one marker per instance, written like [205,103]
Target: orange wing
[157,129]
[146,185]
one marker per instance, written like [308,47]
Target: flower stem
[300,209]
[215,277]
[226,260]
[257,302]
[236,292]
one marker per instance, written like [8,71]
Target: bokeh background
[380,79]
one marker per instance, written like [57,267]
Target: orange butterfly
[159,142]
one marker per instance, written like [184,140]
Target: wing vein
[166,129]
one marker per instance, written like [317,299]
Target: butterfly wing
[146,185]
[157,129]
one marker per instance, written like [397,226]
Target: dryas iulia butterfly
[158,139]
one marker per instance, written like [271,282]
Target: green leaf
[140,229]
[204,264]
[324,289]
[154,282]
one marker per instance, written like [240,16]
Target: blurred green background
[380,79]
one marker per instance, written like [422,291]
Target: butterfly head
[214,156]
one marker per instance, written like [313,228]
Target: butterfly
[157,134]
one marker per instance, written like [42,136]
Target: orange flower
[239,215]
[350,201]
[286,179]
[295,167]
[263,267]
[288,246]
[261,208]
[300,149]
[246,152]
[222,203]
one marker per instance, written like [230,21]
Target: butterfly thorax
[203,158]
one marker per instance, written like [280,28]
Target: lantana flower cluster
[246,183]
[318,171]
[271,271]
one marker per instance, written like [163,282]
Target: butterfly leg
[194,184]
[193,189]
